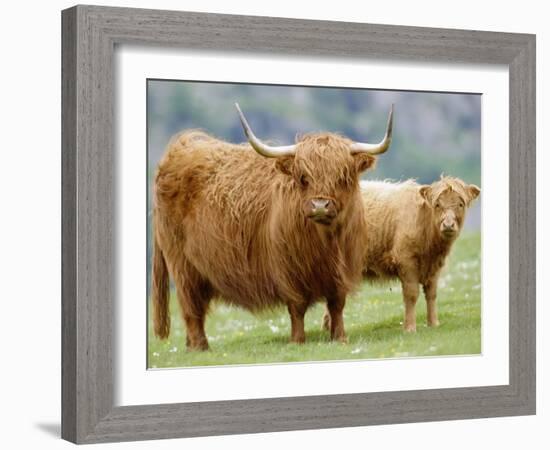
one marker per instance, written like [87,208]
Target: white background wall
[31,208]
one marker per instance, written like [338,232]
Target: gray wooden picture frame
[89,37]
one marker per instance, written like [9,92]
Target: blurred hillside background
[433,133]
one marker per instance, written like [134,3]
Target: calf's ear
[363,161]
[473,191]
[424,193]
[284,164]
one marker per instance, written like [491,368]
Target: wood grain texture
[522,283]
[89,209]
[68,225]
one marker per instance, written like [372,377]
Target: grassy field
[373,319]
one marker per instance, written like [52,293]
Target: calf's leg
[325,325]
[410,296]
[430,292]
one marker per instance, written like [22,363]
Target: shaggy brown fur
[411,230]
[231,223]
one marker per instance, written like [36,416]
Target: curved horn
[376,149]
[264,149]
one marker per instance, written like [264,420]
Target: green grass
[373,319]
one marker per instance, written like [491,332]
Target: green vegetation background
[434,133]
[373,318]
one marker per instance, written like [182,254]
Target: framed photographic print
[265,229]
[447,124]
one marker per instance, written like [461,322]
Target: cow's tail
[161,291]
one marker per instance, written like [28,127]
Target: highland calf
[258,226]
[410,231]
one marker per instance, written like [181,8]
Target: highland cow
[410,231]
[258,226]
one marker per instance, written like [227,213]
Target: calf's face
[449,199]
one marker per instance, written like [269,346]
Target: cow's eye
[303,181]
[461,204]
[438,205]
[343,183]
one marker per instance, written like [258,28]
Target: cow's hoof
[433,324]
[342,338]
[298,340]
[410,329]
[201,346]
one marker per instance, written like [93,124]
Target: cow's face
[449,198]
[325,168]
[325,175]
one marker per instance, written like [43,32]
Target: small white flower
[356,350]
[274,328]
[173,350]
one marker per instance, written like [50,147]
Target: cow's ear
[473,191]
[424,193]
[363,161]
[284,164]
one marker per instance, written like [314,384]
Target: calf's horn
[264,149]
[376,149]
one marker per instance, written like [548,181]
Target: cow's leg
[430,292]
[196,337]
[194,294]
[410,296]
[335,306]
[297,313]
